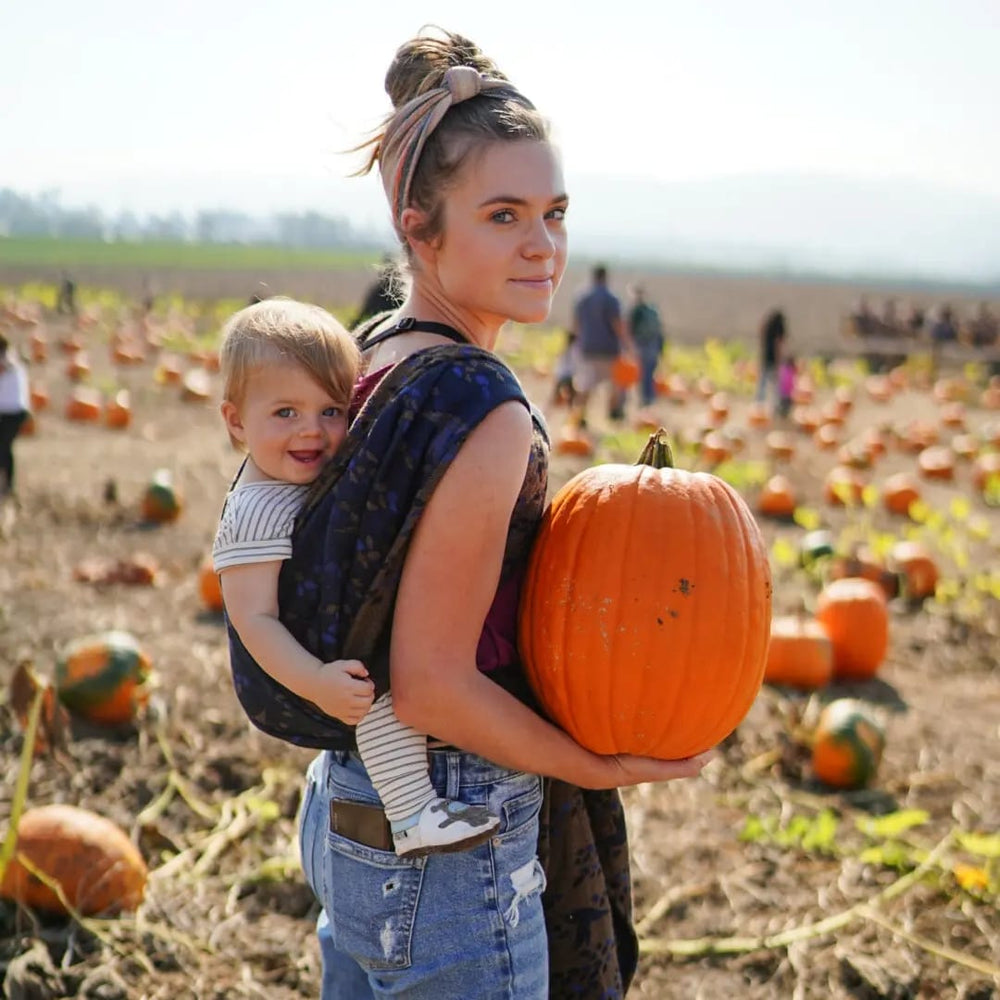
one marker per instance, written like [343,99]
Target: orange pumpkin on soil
[758,415]
[843,486]
[917,567]
[965,446]
[574,441]
[986,470]
[78,367]
[621,636]
[718,408]
[847,744]
[84,405]
[99,870]
[899,491]
[936,463]
[780,445]
[715,448]
[161,500]
[854,614]
[209,587]
[39,397]
[800,653]
[118,413]
[777,498]
[827,437]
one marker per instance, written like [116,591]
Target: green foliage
[57,254]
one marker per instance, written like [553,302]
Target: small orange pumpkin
[624,372]
[986,469]
[777,498]
[39,397]
[917,567]
[854,614]
[99,870]
[800,653]
[843,485]
[620,637]
[780,445]
[899,492]
[574,441]
[161,501]
[936,462]
[118,413]
[208,586]
[84,405]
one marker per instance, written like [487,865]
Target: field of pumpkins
[844,840]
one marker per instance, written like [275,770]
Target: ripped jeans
[461,926]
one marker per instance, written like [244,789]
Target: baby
[289,370]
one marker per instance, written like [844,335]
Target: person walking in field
[289,369]
[646,330]
[15,403]
[771,345]
[408,555]
[601,337]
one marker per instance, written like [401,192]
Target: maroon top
[498,641]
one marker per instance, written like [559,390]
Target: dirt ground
[212,802]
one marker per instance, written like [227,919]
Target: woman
[422,525]
[14,404]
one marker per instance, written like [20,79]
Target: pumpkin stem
[657,452]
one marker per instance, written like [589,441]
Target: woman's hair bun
[420,64]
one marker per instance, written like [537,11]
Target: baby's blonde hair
[285,330]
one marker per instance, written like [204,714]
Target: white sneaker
[445,825]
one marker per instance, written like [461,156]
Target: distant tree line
[43,215]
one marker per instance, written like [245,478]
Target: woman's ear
[411,223]
[234,422]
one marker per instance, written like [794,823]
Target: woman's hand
[625,769]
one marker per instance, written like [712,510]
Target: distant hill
[783,224]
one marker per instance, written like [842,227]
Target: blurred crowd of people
[941,323]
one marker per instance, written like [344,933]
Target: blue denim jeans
[460,926]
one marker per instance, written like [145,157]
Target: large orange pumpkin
[800,653]
[854,614]
[103,677]
[847,744]
[118,412]
[646,608]
[99,870]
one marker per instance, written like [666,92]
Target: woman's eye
[557,214]
[504,215]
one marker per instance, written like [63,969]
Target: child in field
[289,371]
[786,385]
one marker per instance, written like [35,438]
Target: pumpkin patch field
[843,842]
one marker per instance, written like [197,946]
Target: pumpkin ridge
[735,707]
[571,653]
[690,538]
[718,490]
[627,565]
[721,542]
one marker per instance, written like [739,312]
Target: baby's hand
[346,692]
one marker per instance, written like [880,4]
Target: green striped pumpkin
[102,677]
[847,744]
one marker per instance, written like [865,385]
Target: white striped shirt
[256,524]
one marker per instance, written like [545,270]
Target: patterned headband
[410,126]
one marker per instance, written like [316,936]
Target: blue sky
[150,107]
